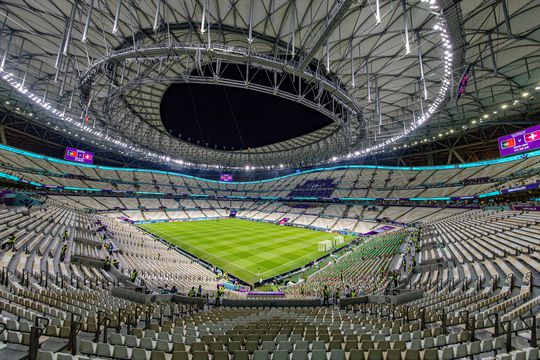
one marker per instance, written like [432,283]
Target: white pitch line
[283,265]
[230,263]
[206,252]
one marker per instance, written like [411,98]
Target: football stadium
[269,179]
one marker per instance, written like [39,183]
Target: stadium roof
[383,72]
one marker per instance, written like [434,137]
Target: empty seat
[280,355]
[215,346]
[487,345]
[197,346]
[200,355]
[241,355]
[375,354]
[162,345]
[179,355]
[103,349]
[45,355]
[393,354]
[251,346]
[412,354]
[220,355]
[138,354]
[232,346]
[260,355]
[120,352]
[430,354]
[318,354]
[270,346]
[157,355]
[367,345]
[87,347]
[299,355]
[337,354]
[356,354]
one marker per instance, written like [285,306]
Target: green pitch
[246,249]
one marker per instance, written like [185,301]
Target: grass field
[246,249]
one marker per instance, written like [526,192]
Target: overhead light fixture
[485,116]
[525,94]
[504,106]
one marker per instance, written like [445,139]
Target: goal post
[339,240]
[325,245]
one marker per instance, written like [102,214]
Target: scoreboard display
[80,156]
[521,141]
[226,177]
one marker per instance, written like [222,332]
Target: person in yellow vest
[10,244]
[219,294]
[107,263]
[199,291]
[326,295]
[63,251]
[133,275]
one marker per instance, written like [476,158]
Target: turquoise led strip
[332,168]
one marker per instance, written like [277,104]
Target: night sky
[234,117]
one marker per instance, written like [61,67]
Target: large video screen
[521,141]
[225,177]
[81,156]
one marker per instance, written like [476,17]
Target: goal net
[325,245]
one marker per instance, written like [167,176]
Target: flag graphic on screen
[534,136]
[508,143]
[72,153]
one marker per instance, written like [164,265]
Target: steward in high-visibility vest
[107,263]
[133,275]
[326,295]
[11,242]
[63,252]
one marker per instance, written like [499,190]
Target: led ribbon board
[521,141]
[81,156]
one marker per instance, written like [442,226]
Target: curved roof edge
[331,168]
